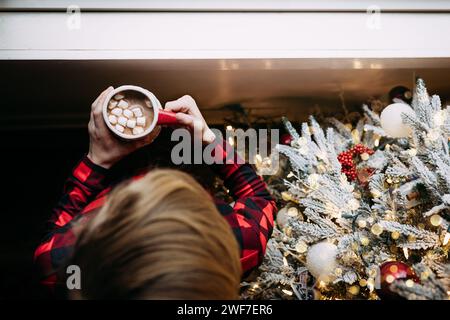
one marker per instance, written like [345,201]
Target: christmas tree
[366,208]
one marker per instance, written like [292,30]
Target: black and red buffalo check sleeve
[252,215]
[86,190]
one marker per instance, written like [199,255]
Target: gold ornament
[362,282]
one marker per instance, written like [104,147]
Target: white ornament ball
[321,260]
[282,218]
[391,120]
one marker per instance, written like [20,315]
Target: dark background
[34,166]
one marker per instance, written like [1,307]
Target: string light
[362,223]
[287,292]
[301,247]
[395,235]
[406,253]
[377,229]
[354,290]
[436,220]
[365,241]
[409,283]
[446,238]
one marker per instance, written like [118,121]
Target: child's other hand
[105,149]
[189,115]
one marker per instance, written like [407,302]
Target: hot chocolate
[130,112]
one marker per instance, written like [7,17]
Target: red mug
[160,116]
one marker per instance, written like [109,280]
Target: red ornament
[286,139]
[392,271]
[348,166]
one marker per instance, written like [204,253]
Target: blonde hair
[160,237]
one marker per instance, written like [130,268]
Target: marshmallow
[131,124]
[112,119]
[112,104]
[122,104]
[116,111]
[122,121]
[127,113]
[140,121]
[119,96]
[119,128]
[138,130]
[137,111]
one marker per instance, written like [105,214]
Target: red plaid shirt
[85,191]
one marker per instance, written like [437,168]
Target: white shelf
[214,35]
[228,5]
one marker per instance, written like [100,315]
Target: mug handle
[166,118]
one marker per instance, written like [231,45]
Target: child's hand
[104,148]
[189,115]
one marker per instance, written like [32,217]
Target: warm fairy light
[301,247]
[322,284]
[395,235]
[230,128]
[370,284]
[412,152]
[365,241]
[362,223]
[287,292]
[354,290]
[377,229]
[365,156]
[436,220]
[353,204]
[424,275]
[312,180]
[405,253]
[390,278]
[409,283]
[338,272]
[446,238]
[231,141]
[376,143]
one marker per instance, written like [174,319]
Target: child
[157,236]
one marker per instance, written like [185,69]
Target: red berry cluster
[347,162]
